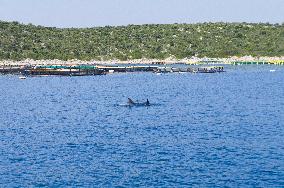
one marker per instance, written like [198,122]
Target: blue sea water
[203,130]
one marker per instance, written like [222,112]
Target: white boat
[22,77]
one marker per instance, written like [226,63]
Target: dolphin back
[132,103]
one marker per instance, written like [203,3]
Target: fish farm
[87,70]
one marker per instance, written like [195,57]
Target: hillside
[18,41]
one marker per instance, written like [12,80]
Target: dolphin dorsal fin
[130,101]
[147,103]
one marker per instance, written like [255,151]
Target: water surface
[205,130]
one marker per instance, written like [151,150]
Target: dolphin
[130,102]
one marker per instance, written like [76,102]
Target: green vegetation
[18,41]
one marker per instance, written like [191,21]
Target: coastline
[193,60]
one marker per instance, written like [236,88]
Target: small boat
[22,77]
[272,70]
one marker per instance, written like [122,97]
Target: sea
[201,130]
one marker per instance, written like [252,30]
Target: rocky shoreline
[193,60]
